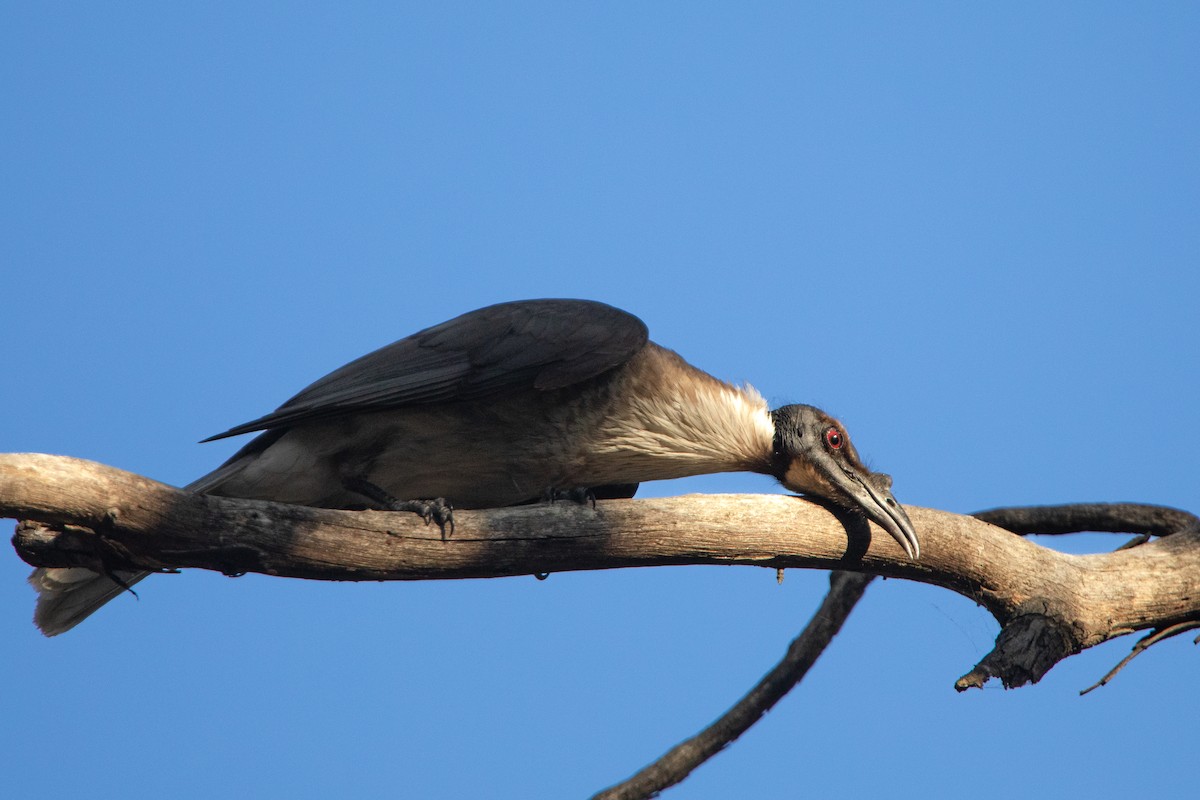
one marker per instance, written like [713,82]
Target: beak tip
[911,548]
[913,545]
[897,523]
[879,505]
[906,537]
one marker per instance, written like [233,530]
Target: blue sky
[969,231]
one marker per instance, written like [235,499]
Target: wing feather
[540,344]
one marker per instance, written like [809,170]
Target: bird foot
[431,510]
[582,495]
[435,510]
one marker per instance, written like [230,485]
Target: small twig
[677,763]
[1144,644]
[1136,541]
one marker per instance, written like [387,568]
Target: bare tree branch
[1099,517]
[1050,605]
[1018,640]
[845,589]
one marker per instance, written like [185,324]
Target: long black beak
[872,494]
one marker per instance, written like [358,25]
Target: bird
[509,404]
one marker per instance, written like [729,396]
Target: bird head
[813,455]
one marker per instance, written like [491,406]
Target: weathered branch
[846,589]
[1098,517]
[1028,647]
[1050,605]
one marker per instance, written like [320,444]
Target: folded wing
[538,344]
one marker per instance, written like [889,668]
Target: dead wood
[1050,605]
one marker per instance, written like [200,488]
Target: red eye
[834,438]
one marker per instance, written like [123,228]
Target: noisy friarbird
[505,405]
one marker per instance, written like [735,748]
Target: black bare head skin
[812,454]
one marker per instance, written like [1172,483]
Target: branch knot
[1026,648]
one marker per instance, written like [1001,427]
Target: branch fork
[1050,605]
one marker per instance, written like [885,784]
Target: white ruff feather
[698,425]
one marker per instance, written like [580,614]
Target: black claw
[443,514]
[437,510]
[581,495]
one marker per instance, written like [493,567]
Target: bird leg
[588,495]
[582,495]
[436,509]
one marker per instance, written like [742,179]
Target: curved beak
[873,495]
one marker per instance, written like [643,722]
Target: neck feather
[673,420]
